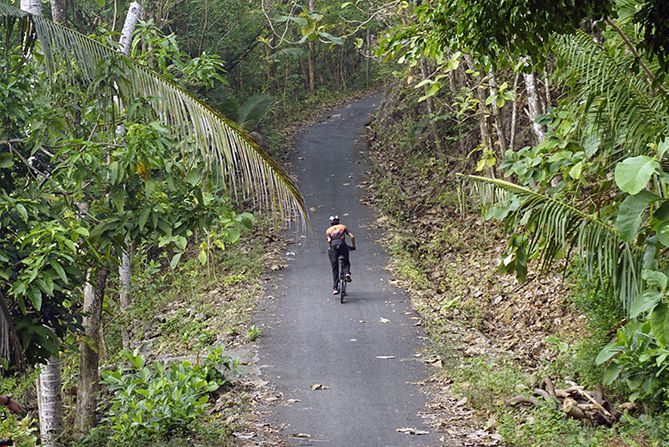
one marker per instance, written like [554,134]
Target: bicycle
[342,280]
[342,277]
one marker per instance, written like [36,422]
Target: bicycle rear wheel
[342,290]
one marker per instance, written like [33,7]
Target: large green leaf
[630,214]
[633,174]
[659,321]
[644,302]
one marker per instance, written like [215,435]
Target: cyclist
[337,246]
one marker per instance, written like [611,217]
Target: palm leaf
[248,171]
[608,91]
[554,226]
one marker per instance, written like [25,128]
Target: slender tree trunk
[547,90]
[484,124]
[87,391]
[514,111]
[534,107]
[429,103]
[58,11]
[50,403]
[368,59]
[499,120]
[125,268]
[33,7]
[271,65]
[312,56]
[134,11]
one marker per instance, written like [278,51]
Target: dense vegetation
[560,109]
[134,150]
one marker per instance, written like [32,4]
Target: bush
[155,402]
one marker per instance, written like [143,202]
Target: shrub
[155,402]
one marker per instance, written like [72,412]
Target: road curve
[361,351]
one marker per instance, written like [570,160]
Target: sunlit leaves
[633,174]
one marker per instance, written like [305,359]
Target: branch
[630,45]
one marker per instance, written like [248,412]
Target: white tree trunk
[134,10]
[50,403]
[125,269]
[534,106]
[58,11]
[34,7]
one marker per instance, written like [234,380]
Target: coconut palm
[229,153]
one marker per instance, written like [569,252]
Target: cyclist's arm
[352,239]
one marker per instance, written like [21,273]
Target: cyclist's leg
[347,264]
[334,263]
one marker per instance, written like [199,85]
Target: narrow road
[310,338]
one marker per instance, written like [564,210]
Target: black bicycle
[342,280]
[342,277]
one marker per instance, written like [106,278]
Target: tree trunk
[312,56]
[58,11]
[368,58]
[50,403]
[499,120]
[87,390]
[534,106]
[484,124]
[271,66]
[125,268]
[125,280]
[514,111]
[134,10]
[33,7]
[438,147]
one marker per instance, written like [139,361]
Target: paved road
[310,338]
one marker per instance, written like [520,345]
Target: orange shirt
[335,232]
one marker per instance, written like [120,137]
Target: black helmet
[334,220]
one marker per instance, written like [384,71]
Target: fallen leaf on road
[301,435]
[244,435]
[412,431]
[318,387]
[292,401]
[384,320]
[385,357]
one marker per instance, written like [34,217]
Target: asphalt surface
[310,338]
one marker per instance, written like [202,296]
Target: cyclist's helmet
[334,220]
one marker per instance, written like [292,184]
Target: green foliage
[155,402]
[253,333]
[23,432]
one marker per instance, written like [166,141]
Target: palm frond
[226,147]
[612,92]
[554,227]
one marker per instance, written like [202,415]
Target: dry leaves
[318,387]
